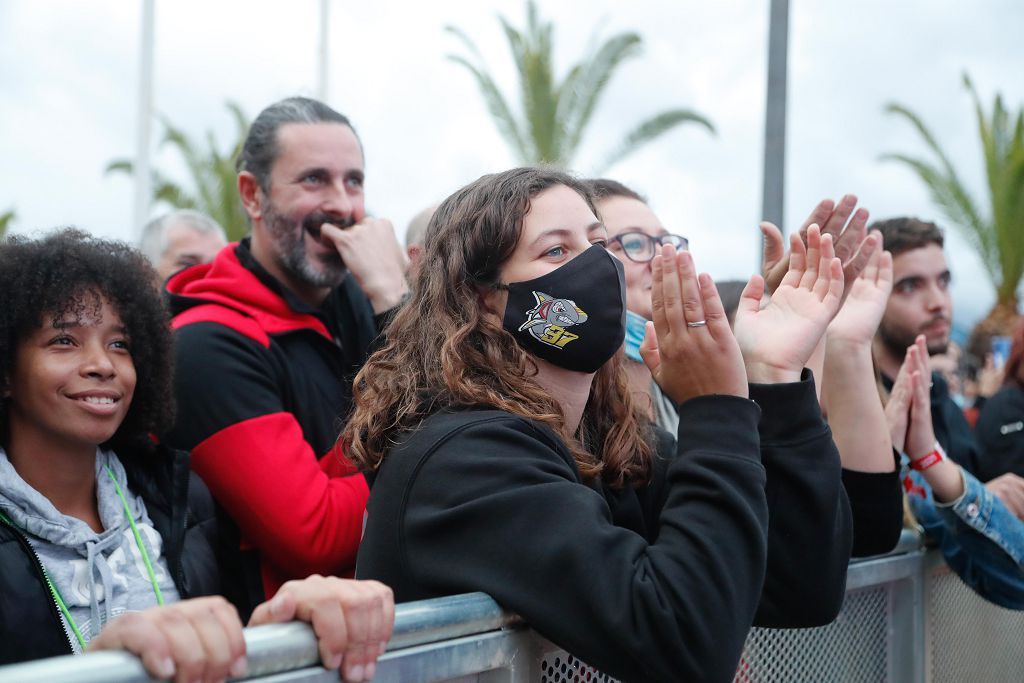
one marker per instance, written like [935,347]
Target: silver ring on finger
[697,323]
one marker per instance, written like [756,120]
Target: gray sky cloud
[69,76]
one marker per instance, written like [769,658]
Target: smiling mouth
[313,223]
[99,400]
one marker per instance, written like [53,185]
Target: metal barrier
[906,618]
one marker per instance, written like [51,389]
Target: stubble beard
[289,239]
[896,340]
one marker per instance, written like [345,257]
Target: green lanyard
[142,551]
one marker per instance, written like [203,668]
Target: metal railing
[905,618]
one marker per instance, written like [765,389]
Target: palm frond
[120,166]
[212,182]
[923,131]
[554,114]
[6,218]
[652,128]
[499,109]
[956,203]
[596,73]
[1004,166]
[173,195]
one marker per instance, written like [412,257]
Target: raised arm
[844,222]
[809,515]
[854,407]
[980,537]
[856,415]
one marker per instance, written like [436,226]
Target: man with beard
[268,337]
[920,303]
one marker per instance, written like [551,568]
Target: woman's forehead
[84,309]
[625,214]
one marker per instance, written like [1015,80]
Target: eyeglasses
[640,247]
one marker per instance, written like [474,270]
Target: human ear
[492,302]
[251,193]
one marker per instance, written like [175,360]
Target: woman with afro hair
[107,541]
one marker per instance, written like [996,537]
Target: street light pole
[144,119]
[322,55]
[773,198]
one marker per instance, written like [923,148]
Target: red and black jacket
[263,384]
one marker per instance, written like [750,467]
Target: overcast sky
[69,77]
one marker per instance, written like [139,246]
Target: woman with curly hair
[104,535]
[506,454]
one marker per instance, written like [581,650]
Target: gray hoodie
[98,575]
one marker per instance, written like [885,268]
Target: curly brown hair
[69,273]
[444,352]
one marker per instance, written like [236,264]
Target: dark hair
[729,291]
[904,234]
[605,188]
[444,352]
[259,151]
[1014,371]
[69,273]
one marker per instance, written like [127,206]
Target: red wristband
[936,456]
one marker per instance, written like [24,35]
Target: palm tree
[212,174]
[5,220]
[998,233]
[555,114]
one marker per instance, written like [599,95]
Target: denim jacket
[982,541]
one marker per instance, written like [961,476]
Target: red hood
[227,282]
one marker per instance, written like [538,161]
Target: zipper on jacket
[54,609]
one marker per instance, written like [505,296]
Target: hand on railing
[352,620]
[192,640]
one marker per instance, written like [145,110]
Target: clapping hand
[851,245]
[897,408]
[909,409]
[689,347]
[777,341]
[861,313]
[920,433]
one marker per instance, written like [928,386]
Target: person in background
[920,304]
[180,239]
[107,541]
[1000,428]
[414,235]
[268,337]
[979,535]
[869,471]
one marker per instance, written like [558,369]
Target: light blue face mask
[634,335]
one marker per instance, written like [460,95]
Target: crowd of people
[540,397]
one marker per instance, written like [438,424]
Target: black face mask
[573,317]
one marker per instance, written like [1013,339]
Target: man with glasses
[634,236]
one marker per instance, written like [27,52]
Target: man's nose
[937,298]
[337,200]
